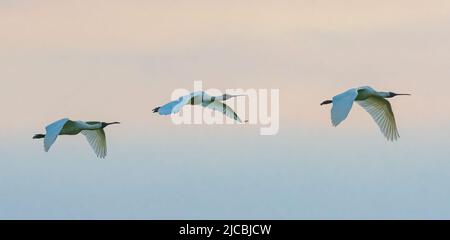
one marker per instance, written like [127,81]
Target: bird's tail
[38,136]
[156,109]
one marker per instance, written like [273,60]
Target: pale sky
[117,60]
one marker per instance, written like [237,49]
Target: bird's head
[392,94]
[105,124]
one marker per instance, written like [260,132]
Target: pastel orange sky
[119,59]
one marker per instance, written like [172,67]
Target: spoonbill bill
[93,131]
[203,99]
[373,102]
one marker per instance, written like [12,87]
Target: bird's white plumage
[97,140]
[52,132]
[381,111]
[167,109]
[176,105]
[342,104]
[196,98]
[373,102]
[223,108]
[93,131]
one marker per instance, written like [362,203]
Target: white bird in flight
[200,98]
[93,131]
[373,102]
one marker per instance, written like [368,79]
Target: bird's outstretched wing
[167,108]
[342,104]
[381,111]
[223,108]
[52,132]
[176,105]
[97,140]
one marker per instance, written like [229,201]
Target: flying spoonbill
[373,102]
[93,131]
[200,98]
